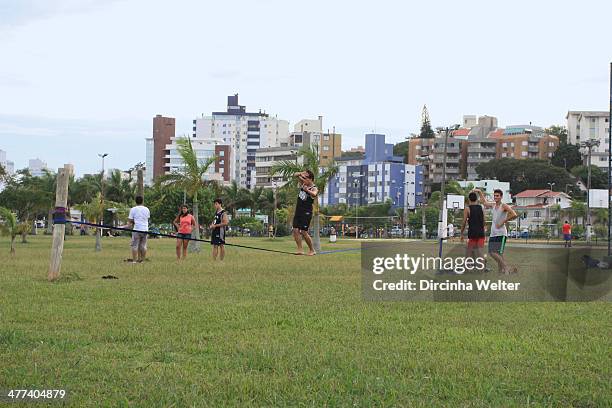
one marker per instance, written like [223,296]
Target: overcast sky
[81,77]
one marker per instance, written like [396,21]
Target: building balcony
[449,159]
[492,149]
[481,159]
[449,170]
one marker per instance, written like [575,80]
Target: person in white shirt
[450,232]
[138,220]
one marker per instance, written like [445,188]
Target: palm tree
[93,212]
[231,196]
[119,189]
[578,210]
[190,178]
[601,215]
[8,226]
[85,189]
[255,196]
[311,161]
[268,202]
[235,197]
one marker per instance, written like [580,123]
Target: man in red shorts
[473,218]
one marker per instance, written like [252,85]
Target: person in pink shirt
[184,223]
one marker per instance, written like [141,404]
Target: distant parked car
[154,230]
[40,224]
[396,232]
[524,234]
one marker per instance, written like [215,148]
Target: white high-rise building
[8,165]
[469,121]
[309,125]
[148,174]
[585,125]
[266,158]
[205,149]
[244,132]
[37,167]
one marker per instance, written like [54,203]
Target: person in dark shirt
[217,228]
[303,210]
[473,218]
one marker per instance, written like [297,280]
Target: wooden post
[140,187]
[59,229]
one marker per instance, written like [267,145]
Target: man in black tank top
[218,226]
[303,210]
[473,218]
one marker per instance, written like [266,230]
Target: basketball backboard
[455,202]
[598,198]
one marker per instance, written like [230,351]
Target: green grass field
[266,329]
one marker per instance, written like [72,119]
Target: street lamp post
[102,156]
[274,186]
[442,186]
[589,144]
[356,184]
[610,165]
[397,203]
[423,222]
[425,160]
[550,185]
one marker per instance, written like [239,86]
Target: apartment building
[266,158]
[37,167]
[244,132]
[527,146]
[308,132]
[590,125]
[377,177]
[478,150]
[8,165]
[455,150]
[164,129]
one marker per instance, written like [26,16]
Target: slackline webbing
[159,234]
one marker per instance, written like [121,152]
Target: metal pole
[140,182]
[357,212]
[610,162]
[274,211]
[588,233]
[406,206]
[423,223]
[99,230]
[440,217]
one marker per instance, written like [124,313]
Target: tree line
[107,200]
